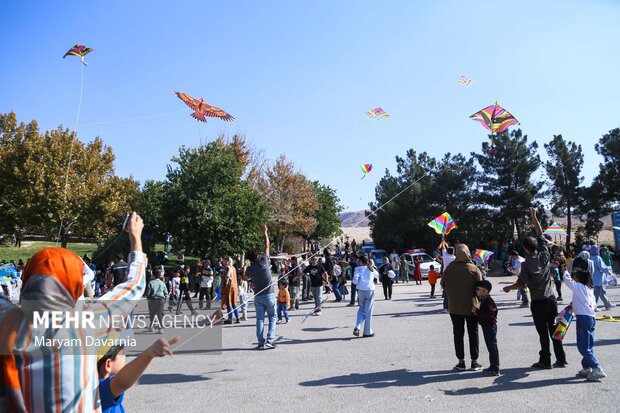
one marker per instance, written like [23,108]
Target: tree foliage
[327,215]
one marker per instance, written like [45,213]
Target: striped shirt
[55,382]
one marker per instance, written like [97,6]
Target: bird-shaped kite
[366,167]
[202,109]
[496,119]
[80,51]
[465,81]
[377,113]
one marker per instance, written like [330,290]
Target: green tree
[328,214]
[507,184]
[149,205]
[609,171]
[209,208]
[564,171]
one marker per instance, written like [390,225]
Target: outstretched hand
[162,347]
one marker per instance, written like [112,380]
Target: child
[243,297]
[283,300]
[584,305]
[432,279]
[115,377]
[487,318]
[557,277]
[185,296]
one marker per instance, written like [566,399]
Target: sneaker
[541,366]
[229,321]
[597,310]
[597,375]
[286,322]
[351,305]
[269,345]
[238,321]
[560,364]
[524,305]
[461,366]
[279,322]
[356,332]
[318,313]
[259,347]
[475,366]
[369,335]
[490,372]
[584,372]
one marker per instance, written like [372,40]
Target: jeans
[353,293]
[282,309]
[317,292]
[600,292]
[265,304]
[243,299]
[522,294]
[387,290]
[364,312]
[156,311]
[544,313]
[293,290]
[232,310]
[305,290]
[458,329]
[336,290]
[585,340]
[490,338]
[205,292]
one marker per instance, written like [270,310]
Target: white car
[425,265]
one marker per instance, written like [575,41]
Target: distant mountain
[349,219]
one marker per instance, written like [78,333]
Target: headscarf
[53,280]
[594,251]
[462,253]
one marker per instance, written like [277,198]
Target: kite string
[312,255]
[131,119]
[75,130]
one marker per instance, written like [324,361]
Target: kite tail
[363,177]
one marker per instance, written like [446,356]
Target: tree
[291,199]
[564,171]
[327,216]
[149,205]
[209,208]
[507,184]
[43,186]
[609,171]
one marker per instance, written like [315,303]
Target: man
[353,264]
[536,273]
[118,273]
[393,256]
[294,283]
[318,278]
[458,283]
[365,278]
[156,293]
[206,282]
[305,290]
[516,270]
[167,241]
[264,299]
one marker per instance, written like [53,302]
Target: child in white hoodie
[584,306]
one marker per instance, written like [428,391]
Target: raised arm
[267,245]
[537,226]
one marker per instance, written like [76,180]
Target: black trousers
[544,313]
[432,290]
[156,312]
[490,338]
[353,293]
[558,287]
[205,292]
[387,289]
[458,329]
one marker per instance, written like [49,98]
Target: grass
[29,248]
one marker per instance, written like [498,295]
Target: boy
[115,377]
[206,284]
[284,301]
[184,294]
[487,318]
[432,279]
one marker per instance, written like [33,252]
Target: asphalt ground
[320,366]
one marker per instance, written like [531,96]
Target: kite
[555,229]
[563,321]
[465,81]
[366,167]
[80,51]
[496,119]
[443,224]
[202,110]
[377,113]
[481,256]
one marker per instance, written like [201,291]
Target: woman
[230,291]
[417,271]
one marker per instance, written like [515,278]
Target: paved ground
[407,366]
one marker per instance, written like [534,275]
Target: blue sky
[298,76]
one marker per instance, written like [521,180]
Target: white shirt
[584,302]
[517,268]
[447,259]
[206,281]
[364,278]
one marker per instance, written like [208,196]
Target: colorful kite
[377,113]
[555,229]
[202,109]
[496,119]
[80,51]
[443,224]
[465,81]
[366,168]
[563,321]
[481,256]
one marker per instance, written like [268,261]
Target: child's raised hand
[162,347]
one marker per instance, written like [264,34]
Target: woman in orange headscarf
[230,290]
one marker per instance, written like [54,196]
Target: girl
[243,296]
[584,305]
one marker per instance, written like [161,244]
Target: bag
[611,279]
[564,320]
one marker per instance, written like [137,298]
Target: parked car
[425,265]
[379,257]
[368,247]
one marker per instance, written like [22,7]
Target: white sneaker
[584,372]
[597,310]
[597,375]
